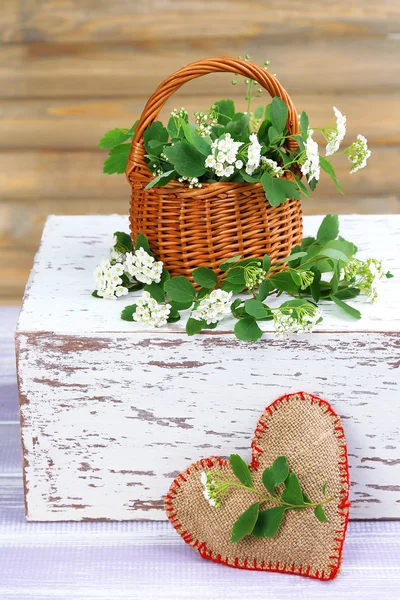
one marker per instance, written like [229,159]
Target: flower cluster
[213,307]
[211,490]
[271,167]
[108,280]
[366,274]
[205,122]
[223,158]
[358,153]
[253,276]
[179,114]
[143,267]
[297,320]
[311,166]
[150,313]
[336,136]
[306,278]
[193,182]
[253,154]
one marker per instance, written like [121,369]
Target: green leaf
[333,254]
[315,287]
[276,474]
[328,168]
[124,240]
[161,179]
[180,305]
[324,488]
[180,289]
[296,277]
[235,288]
[255,308]
[142,242]
[353,312]
[347,293]
[155,290]
[292,493]
[244,525]
[241,470]
[389,275]
[114,138]
[226,110]
[95,294]
[292,257]
[200,143]
[247,330]
[128,312]
[117,159]
[329,229]
[264,289]
[172,127]
[304,124]
[188,161]
[284,283]
[348,248]
[165,276]
[258,113]
[301,186]
[268,522]
[320,514]
[249,178]
[157,132]
[194,326]
[236,276]
[278,189]
[274,136]
[266,263]
[239,129]
[174,316]
[278,112]
[229,262]
[205,277]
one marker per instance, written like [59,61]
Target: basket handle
[214,65]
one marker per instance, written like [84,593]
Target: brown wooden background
[71,69]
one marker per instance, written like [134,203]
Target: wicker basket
[188,228]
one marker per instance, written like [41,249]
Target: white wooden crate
[110,412]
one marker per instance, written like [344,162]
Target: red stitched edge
[344,503]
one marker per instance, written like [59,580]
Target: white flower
[239,164]
[209,492]
[223,156]
[213,308]
[336,136]
[311,165]
[150,313]
[295,320]
[358,153]
[253,154]
[271,167]
[108,281]
[143,267]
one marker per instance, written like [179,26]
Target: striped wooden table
[147,560]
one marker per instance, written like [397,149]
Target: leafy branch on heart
[254,520]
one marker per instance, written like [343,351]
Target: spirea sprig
[281,493]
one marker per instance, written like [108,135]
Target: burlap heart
[307,430]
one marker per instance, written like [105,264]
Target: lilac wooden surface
[91,561]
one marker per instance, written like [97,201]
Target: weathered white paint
[110,413]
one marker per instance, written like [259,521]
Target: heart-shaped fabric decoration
[306,430]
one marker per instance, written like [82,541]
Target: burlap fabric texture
[307,430]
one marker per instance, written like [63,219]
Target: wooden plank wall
[71,69]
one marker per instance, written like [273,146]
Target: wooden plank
[109,560]
[10,22]
[42,175]
[79,124]
[103,21]
[89,70]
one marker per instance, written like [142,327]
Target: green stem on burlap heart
[266,522]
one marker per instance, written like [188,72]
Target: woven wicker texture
[306,430]
[188,228]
